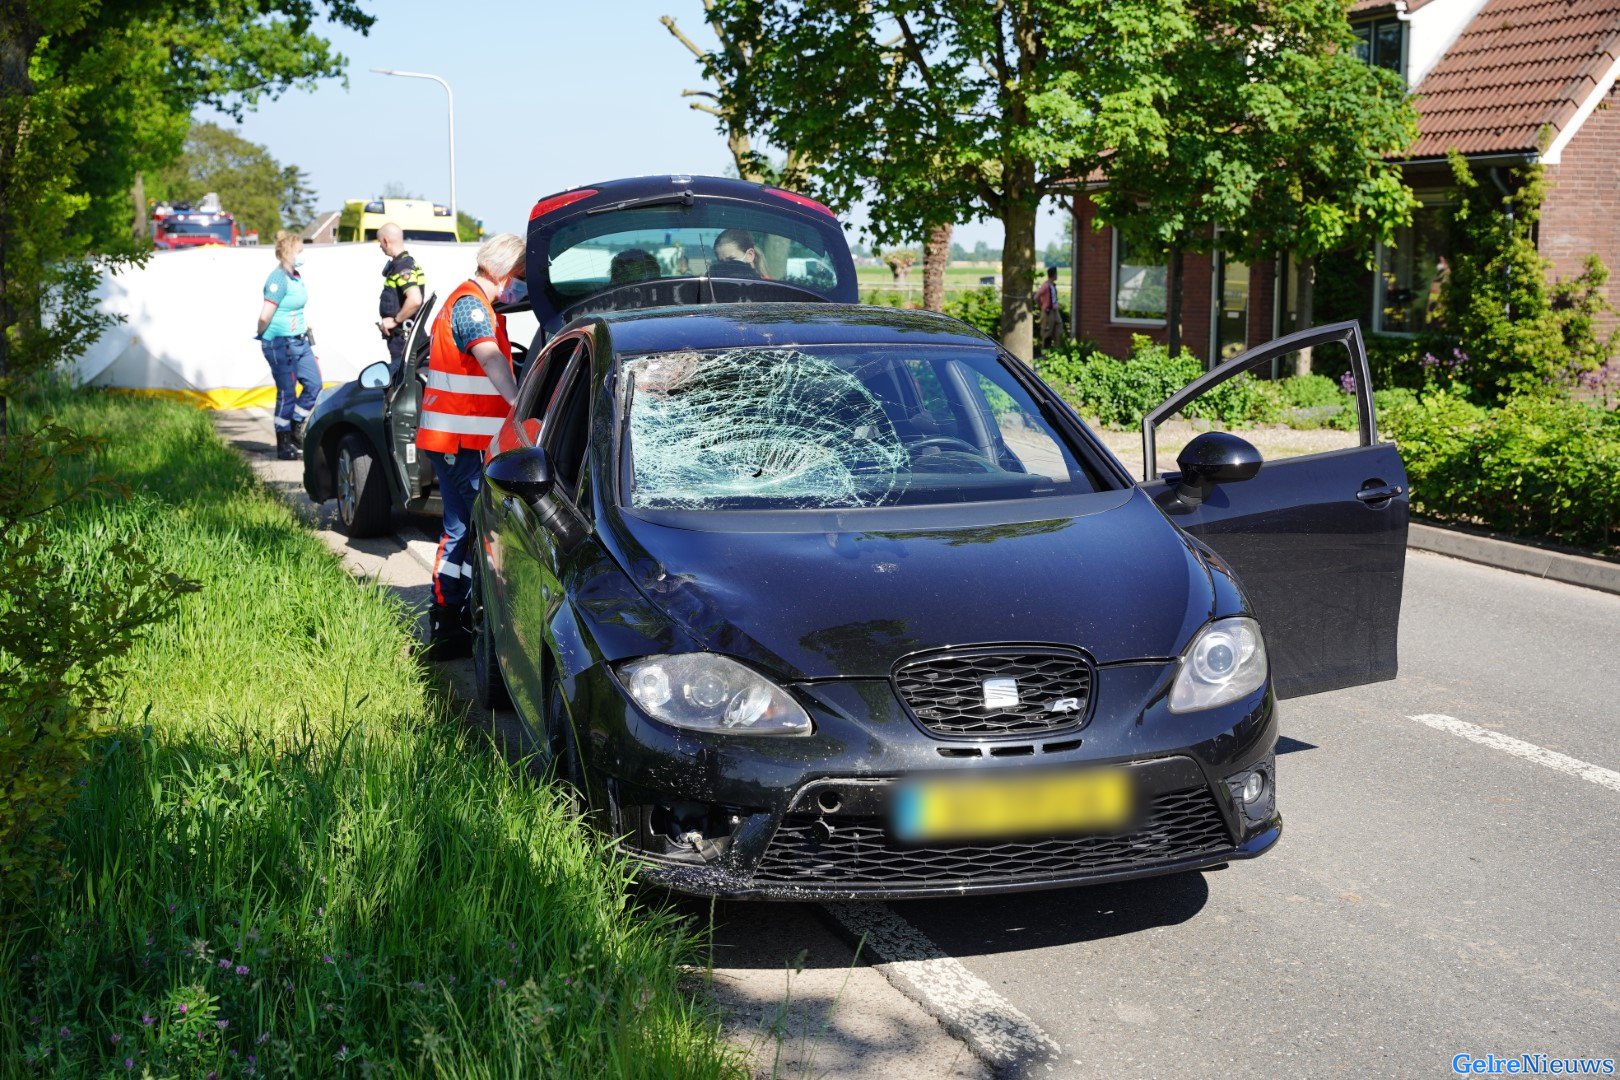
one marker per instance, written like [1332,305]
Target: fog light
[1254,787]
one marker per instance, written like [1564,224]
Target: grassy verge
[285,861]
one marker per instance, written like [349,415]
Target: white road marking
[960,1000]
[1597,774]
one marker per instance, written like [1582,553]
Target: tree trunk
[1173,304]
[936,253]
[1018,272]
[1307,288]
[19,33]
[143,220]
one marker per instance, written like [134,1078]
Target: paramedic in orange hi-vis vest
[469,390]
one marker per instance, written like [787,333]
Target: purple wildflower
[129,1063]
[241,969]
[222,1024]
[224,965]
[264,1037]
[1347,382]
[64,1032]
[147,1020]
[183,1008]
[500,984]
[115,1038]
[327,959]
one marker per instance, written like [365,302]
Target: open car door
[1318,541]
[404,408]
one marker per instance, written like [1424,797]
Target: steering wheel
[946,442]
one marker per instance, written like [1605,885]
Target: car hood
[1110,575]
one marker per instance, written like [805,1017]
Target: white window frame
[1114,317]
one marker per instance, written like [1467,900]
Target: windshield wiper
[685,198]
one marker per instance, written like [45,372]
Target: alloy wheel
[347,498]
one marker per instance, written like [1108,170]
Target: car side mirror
[1215,457]
[524,473]
[374,376]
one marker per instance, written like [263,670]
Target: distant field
[958,277]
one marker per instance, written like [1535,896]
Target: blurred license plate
[1028,805]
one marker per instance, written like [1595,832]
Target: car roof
[733,326]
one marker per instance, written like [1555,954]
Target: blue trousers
[292,360]
[458,487]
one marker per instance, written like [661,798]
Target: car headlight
[705,692]
[1226,661]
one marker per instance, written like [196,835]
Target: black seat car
[614,246]
[814,600]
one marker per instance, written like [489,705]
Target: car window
[567,425]
[839,427]
[537,390]
[709,239]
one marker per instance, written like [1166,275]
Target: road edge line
[1551,759]
[965,1005]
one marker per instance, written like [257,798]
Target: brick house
[1504,82]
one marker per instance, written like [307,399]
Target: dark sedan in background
[827,601]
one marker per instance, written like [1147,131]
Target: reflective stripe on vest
[461,409]
[461,384]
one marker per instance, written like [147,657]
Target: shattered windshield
[836,427]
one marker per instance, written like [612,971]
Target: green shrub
[288,859]
[1310,391]
[1118,393]
[979,308]
[1537,467]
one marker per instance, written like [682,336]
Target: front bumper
[808,818]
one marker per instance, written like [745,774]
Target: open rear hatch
[656,241]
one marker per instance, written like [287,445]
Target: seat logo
[1001,693]
[1064,705]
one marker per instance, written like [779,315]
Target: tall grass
[285,859]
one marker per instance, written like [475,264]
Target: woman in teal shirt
[284,339]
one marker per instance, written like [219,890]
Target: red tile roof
[1519,65]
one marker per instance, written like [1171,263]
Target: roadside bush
[1537,467]
[979,308]
[1310,392]
[1118,393]
[286,858]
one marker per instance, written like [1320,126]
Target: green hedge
[1118,393]
[1539,467]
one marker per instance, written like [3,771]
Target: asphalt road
[1432,895]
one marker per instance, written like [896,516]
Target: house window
[1381,43]
[1139,286]
[1411,272]
[1231,317]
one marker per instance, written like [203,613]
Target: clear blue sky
[548,95]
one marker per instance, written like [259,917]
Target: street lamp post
[455,216]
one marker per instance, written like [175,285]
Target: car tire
[361,489]
[489,685]
[562,746]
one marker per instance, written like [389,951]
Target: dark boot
[285,450]
[298,427]
[448,634]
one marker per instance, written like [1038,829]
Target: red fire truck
[183,226]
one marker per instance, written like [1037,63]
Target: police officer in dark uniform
[403,284]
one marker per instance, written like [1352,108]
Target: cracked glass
[837,427]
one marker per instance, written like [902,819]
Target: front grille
[1179,825]
[946,692]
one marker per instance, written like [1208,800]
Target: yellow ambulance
[421,219]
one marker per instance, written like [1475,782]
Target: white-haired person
[284,339]
[470,386]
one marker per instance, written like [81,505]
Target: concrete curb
[1520,558]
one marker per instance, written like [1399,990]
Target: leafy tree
[1273,136]
[251,184]
[95,92]
[297,198]
[1519,334]
[935,111]
[900,263]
